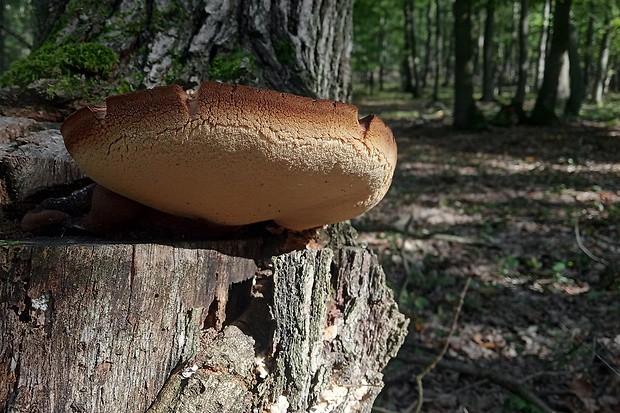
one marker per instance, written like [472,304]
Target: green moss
[231,67]
[66,62]
[285,53]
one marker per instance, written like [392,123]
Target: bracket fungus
[235,155]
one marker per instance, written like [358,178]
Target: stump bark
[214,327]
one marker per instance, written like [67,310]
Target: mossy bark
[298,47]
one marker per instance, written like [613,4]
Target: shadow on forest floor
[509,208]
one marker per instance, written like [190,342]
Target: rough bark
[466,114]
[577,88]
[488,84]
[544,110]
[34,164]
[301,47]
[542,48]
[46,14]
[524,62]
[601,68]
[81,321]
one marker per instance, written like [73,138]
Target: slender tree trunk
[405,70]
[449,45]
[2,37]
[488,84]
[411,41]
[542,49]
[466,114]
[524,61]
[577,87]
[298,47]
[407,79]
[438,50]
[506,67]
[601,68]
[428,62]
[478,47]
[563,82]
[544,110]
[587,66]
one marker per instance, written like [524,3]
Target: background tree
[542,45]
[544,110]
[488,75]
[466,114]
[601,68]
[577,87]
[411,41]
[524,62]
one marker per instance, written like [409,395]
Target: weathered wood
[137,327]
[34,164]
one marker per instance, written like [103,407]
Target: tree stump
[210,327]
[258,323]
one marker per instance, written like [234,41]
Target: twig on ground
[376,409]
[496,377]
[583,247]
[437,359]
[403,256]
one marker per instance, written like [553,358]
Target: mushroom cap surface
[235,155]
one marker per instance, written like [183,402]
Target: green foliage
[286,53]
[17,18]
[67,62]
[515,404]
[378,30]
[231,67]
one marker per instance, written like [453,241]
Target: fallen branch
[437,359]
[7,30]
[583,247]
[497,377]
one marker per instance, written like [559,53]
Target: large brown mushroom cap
[235,155]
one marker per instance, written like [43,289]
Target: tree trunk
[46,13]
[488,84]
[411,41]
[524,62]
[301,47]
[478,47]
[466,114]
[587,66]
[505,71]
[542,49]
[544,110]
[449,45]
[427,47]
[563,82]
[2,37]
[577,88]
[438,51]
[601,68]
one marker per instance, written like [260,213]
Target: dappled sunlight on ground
[533,216]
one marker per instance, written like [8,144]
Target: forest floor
[532,216]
